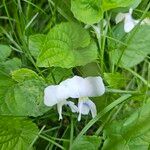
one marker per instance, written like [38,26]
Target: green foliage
[132,133]
[87,143]
[58,39]
[87,11]
[115,80]
[24,74]
[7,65]
[16,133]
[11,65]
[58,74]
[64,47]
[35,44]
[22,95]
[64,8]
[4,52]
[136,50]
[109,4]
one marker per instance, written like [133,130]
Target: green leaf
[87,11]
[136,50]
[115,80]
[90,69]
[109,4]
[65,47]
[35,44]
[58,74]
[24,74]
[23,94]
[129,134]
[87,143]
[4,52]
[16,133]
[63,7]
[11,65]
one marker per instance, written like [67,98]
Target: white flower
[82,88]
[97,28]
[129,22]
[85,105]
[53,94]
[76,87]
[56,94]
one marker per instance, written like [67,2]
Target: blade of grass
[101,114]
[36,137]
[71,133]
[51,141]
[138,76]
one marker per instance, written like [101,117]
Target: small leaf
[115,80]
[109,4]
[65,47]
[58,74]
[87,143]
[24,74]
[35,44]
[4,52]
[64,9]
[87,11]
[16,133]
[136,50]
[11,65]
[22,95]
[132,133]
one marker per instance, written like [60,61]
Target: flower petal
[59,108]
[94,86]
[130,11]
[120,17]
[92,108]
[129,23]
[83,109]
[85,105]
[74,86]
[62,92]
[97,30]
[84,87]
[50,95]
[73,107]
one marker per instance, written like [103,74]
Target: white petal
[85,105]
[73,107]
[120,17]
[83,87]
[74,86]
[130,11]
[62,92]
[92,108]
[83,109]
[94,86]
[59,108]
[129,23]
[97,30]
[50,95]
